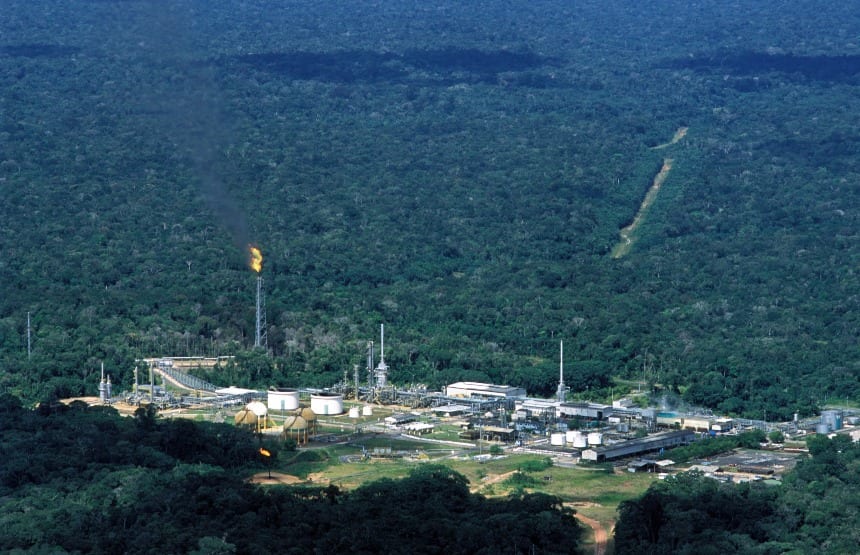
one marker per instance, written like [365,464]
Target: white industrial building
[484,390]
[595,411]
[537,408]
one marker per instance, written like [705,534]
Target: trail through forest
[679,134]
[627,233]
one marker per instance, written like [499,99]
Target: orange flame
[256,259]
[265,452]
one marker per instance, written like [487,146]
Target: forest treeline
[458,174]
[79,479]
[814,510]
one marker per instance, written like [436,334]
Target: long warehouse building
[635,447]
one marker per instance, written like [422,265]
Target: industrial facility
[480,413]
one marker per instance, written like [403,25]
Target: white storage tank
[283,399]
[354,412]
[557,438]
[570,435]
[595,438]
[580,441]
[367,410]
[327,403]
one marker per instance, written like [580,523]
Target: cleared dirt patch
[276,478]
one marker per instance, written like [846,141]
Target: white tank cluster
[327,403]
[575,439]
[283,399]
[595,438]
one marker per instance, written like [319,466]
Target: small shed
[643,465]
[398,419]
[419,428]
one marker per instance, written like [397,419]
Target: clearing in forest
[627,232]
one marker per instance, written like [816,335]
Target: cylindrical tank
[580,441]
[327,403]
[623,427]
[354,412]
[570,435]
[283,399]
[822,428]
[833,419]
[367,410]
[595,438]
[556,438]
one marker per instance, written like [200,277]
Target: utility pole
[29,343]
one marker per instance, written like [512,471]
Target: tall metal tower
[561,391]
[105,388]
[29,344]
[381,372]
[260,336]
[355,371]
[370,364]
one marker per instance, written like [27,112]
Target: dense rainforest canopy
[457,170]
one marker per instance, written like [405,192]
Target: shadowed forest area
[78,479]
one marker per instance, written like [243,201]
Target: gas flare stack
[260,339]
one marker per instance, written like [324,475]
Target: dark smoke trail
[195,119]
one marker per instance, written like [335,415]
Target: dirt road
[600,535]
[489,480]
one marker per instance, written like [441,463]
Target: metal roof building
[639,446]
[585,410]
[538,407]
[484,390]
